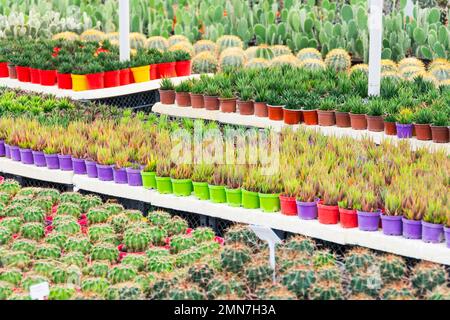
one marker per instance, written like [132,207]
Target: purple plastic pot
[432,232]
[7,151]
[447,236]
[2,148]
[15,153]
[307,210]
[134,177]
[404,130]
[412,229]
[52,161]
[79,166]
[392,225]
[120,176]
[368,221]
[105,172]
[65,162]
[39,158]
[26,156]
[91,169]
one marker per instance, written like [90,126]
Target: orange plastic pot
[423,131]
[227,105]
[358,121]
[275,112]
[348,218]
[390,128]
[291,116]
[211,102]
[328,214]
[310,117]
[197,101]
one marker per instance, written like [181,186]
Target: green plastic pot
[201,190]
[234,197]
[149,180]
[250,200]
[269,202]
[182,187]
[163,185]
[217,194]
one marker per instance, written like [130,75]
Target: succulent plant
[186,291]
[338,59]
[176,225]
[11,275]
[57,238]
[80,244]
[397,291]
[234,257]
[136,239]
[98,231]
[6,290]
[358,259]
[33,214]
[179,243]
[439,293]
[97,215]
[73,197]
[367,282]
[75,258]
[392,268]
[104,251]
[298,279]
[257,272]
[61,292]
[157,42]
[239,233]
[97,269]
[47,251]
[89,201]
[69,208]
[326,290]
[12,224]
[29,246]
[122,273]
[161,264]
[32,230]
[138,261]
[18,259]
[95,284]
[425,276]
[204,62]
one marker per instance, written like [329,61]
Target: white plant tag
[267,234]
[39,291]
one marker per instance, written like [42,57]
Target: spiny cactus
[228,41]
[97,215]
[329,273]
[224,284]
[137,40]
[309,53]
[368,282]
[181,242]
[160,286]
[234,257]
[208,248]
[119,222]
[157,42]
[61,292]
[80,244]
[187,257]
[183,46]
[33,214]
[66,226]
[159,218]
[338,59]
[47,251]
[439,293]
[32,230]
[99,231]
[397,291]
[360,67]
[6,290]
[113,208]
[45,267]
[388,66]
[18,259]
[29,246]
[13,210]
[133,215]
[95,284]
[93,35]
[11,275]
[69,208]
[161,264]
[204,62]
[156,252]
[57,238]
[284,60]
[204,45]
[31,279]
[411,73]
[5,235]
[425,276]
[278,292]
[289,258]
[74,197]
[312,64]
[258,271]
[136,239]
[177,38]
[298,279]
[24,201]
[66,35]
[203,234]
[4,198]
[44,203]
[257,63]
[301,244]
[358,259]
[324,258]
[232,58]
[12,224]
[74,258]
[176,225]
[10,187]
[240,233]
[104,251]
[280,50]
[89,201]
[28,191]
[138,261]
[186,291]
[410,62]
[122,273]
[392,268]
[124,291]
[201,274]
[441,72]
[326,290]
[52,193]
[97,269]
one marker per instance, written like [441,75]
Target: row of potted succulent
[321,177]
[87,66]
[321,98]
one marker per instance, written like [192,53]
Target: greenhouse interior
[224,150]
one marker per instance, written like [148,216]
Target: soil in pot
[310,117]
[197,101]
[342,119]
[211,102]
[246,108]
[358,121]
[440,134]
[261,109]
[327,214]
[227,105]
[167,96]
[292,116]
[375,123]
[326,118]
[423,131]
[275,112]
[183,99]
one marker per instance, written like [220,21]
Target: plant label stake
[267,234]
[376,30]
[39,291]
[124,29]
[409,9]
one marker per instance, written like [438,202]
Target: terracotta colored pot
[358,121]
[197,100]
[246,108]
[342,119]
[423,131]
[260,109]
[183,99]
[310,117]
[390,128]
[167,96]
[326,118]
[440,134]
[375,123]
[275,112]
[292,116]
[227,105]
[211,102]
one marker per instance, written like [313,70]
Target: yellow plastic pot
[141,74]
[79,82]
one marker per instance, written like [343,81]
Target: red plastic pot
[167,70]
[275,112]
[23,74]
[310,117]
[96,80]
[35,76]
[112,79]
[48,77]
[328,214]
[4,73]
[125,76]
[348,218]
[288,205]
[64,81]
[183,68]
[154,72]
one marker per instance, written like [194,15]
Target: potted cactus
[245,102]
[216,185]
[369,215]
[163,181]
[181,180]
[270,188]
[183,63]
[182,97]
[326,115]
[392,218]
[306,199]
[439,127]
[201,174]
[433,221]
[374,116]
[105,164]
[234,179]
[422,120]
[358,112]
[404,124]
[288,203]
[167,91]
[348,204]
[227,101]
[328,209]
[292,114]
[250,198]
[121,162]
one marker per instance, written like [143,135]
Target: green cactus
[232,58]
[95,285]
[44,203]
[10,187]
[329,273]
[309,53]
[73,197]
[47,251]
[104,251]
[61,292]
[397,291]
[33,214]
[159,218]
[24,201]
[31,279]
[122,273]
[56,238]
[12,224]
[69,208]
[204,45]
[179,243]
[136,239]
[300,244]
[176,39]
[326,290]
[157,42]
[6,290]
[439,293]
[338,59]
[97,269]
[29,246]
[139,261]
[97,215]
[124,291]
[98,231]
[187,257]
[4,198]
[18,259]
[324,258]
[274,292]
[133,215]
[425,276]
[11,275]
[113,208]
[45,267]
[32,230]
[203,234]
[176,225]
[161,264]
[80,244]
[89,201]
[239,233]
[367,282]
[358,259]
[52,193]
[256,63]
[5,235]
[156,252]
[234,257]
[68,225]
[119,222]
[13,210]
[75,258]
[298,280]
[204,62]
[258,271]
[228,41]
[201,274]
[186,291]
[392,268]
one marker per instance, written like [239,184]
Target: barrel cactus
[33,214]
[204,62]
[124,291]
[136,239]
[113,208]
[47,251]
[228,41]
[156,252]
[323,258]
[411,73]
[284,60]
[89,201]
[139,261]
[201,274]
[280,50]
[122,273]
[388,65]
[203,234]
[10,187]
[4,198]
[358,259]
[45,267]
[181,242]
[276,292]
[338,59]
[392,268]
[329,273]
[137,40]
[301,244]
[104,251]
[61,292]
[32,230]
[99,231]
[74,197]
[113,36]
[93,35]
[29,246]
[368,282]
[258,271]
[159,218]
[257,63]
[204,45]
[80,244]
[224,285]
[68,226]
[24,201]
[186,291]
[326,290]
[6,290]
[439,293]
[95,284]
[133,215]
[31,279]
[234,257]
[12,224]
[240,233]
[298,280]
[232,57]
[57,238]
[187,257]
[44,203]
[360,67]
[410,62]
[74,258]
[157,42]
[14,210]
[176,225]
[17,259]
[177,38]
[48,192]
[11,275]
[397,291]
[309,53]
[425,276]
[441,72]
[97,269]
[97,215]
[119,222]
[66,35]
[69,208]
[182,46]
[161,264]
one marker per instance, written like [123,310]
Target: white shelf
[89,94]
[253,121]
[33,172]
